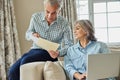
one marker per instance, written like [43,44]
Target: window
[82,9]
[105,16]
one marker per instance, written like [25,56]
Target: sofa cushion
[53,71]
[32,71]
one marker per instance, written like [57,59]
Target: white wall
[23,11]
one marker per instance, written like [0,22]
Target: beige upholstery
[53,71]
[43,71]
[32,71]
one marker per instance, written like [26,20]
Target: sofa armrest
[32,71]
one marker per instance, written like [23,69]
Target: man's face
[51,12]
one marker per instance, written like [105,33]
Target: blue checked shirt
[76,58]
[58,31]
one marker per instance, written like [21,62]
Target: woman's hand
[80,76]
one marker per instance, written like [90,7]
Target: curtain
[9,43]
[69,12]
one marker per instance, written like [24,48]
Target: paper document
[47,45]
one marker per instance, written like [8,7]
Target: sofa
[47,70]
[43,71]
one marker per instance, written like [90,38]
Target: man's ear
[58,12]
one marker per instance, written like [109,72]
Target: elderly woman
[76,58]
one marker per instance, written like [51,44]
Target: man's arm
[67,40]
[31,34]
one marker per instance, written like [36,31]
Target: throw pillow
[53,71]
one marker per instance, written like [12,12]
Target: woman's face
[79,32]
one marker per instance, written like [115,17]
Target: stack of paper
[47,45]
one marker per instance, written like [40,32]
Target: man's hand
[53,54]
[36,35]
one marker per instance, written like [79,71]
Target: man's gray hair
[53,2]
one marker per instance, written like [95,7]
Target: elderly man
[48,25]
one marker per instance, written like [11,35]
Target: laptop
[102,66]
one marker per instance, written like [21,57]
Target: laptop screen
[102,66]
